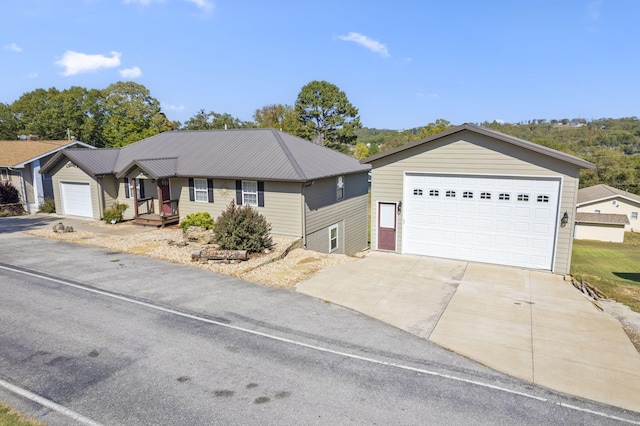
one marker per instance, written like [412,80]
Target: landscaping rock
[200,235]
[60,228]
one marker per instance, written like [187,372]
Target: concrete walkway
[529,324]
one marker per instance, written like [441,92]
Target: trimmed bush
[202,219]
[116,213]
[47,206]
[242,228]
[10,200]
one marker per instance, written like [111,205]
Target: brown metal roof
[603,192]
[264,154]
[17,153]
[604,218]
[493,134]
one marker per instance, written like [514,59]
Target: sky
[402,63]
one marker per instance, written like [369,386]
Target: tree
[281,117]
[326,116]
[131,114]
[360,151]
[433,128]
[8,123]
[212,120]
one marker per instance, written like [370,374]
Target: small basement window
[333,238]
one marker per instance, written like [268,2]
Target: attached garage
[473,194]
[76,199]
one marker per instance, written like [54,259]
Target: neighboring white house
[474,194]
[20,162]
[606,199]
[600,226]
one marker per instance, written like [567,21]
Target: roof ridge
[287,152]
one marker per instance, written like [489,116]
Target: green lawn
[10,417]
[612,267]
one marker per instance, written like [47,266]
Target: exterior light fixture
[399,207]
[564,220]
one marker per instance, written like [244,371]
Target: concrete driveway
[530,324]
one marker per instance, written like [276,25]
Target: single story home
[20,162]
[607,199]
[600,226]
[471,193]
[302,189]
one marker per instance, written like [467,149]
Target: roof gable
[604,192]
[264,154]
[492,134]
[18,153]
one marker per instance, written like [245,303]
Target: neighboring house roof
[18,153]
[493,134]
[264,154]
[602,218]
[603,192]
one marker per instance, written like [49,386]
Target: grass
[10,417]
[612,267]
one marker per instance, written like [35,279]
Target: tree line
[125,112]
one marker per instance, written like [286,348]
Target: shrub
[47,206]
[8,193]
[115,213]
[242,228]
[202,219]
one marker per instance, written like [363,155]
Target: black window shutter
[260,193]
[210,189]
[192,195]
[141,184]
[239,192]
[127,194]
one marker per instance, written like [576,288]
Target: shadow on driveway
[14,224]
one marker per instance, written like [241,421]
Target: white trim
[337,228]
[244,192]
[196,190]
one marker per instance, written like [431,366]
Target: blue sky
[403,64]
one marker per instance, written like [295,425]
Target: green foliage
[280,117]
[202,219]
[9,200]
[115,213]
[326,116]
[47,206]
[242,228]
[212,120]
[10,417]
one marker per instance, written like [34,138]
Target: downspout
[304,218]
[25,204]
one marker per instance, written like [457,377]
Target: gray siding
[475,154]
[65,171]
[282,203]
[322,211]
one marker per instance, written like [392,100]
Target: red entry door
[387,226]
[166,196]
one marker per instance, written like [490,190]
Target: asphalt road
[121,339]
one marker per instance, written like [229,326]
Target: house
[600,226]
[606,199]
[302,189]
[20,162]
[474,194]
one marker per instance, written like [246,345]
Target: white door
[76,199]
[502,220]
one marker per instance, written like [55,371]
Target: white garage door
[502,220]
[76,199]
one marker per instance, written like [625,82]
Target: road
[90,338]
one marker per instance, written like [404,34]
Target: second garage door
[502,220]
[76,199]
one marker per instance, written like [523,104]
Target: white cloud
[134,72]
[170,107]
[12,47]
[204,5]
[76,63]
[372,45]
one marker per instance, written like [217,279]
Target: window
[450,194]
[128,188]
[434,193]
[614,203]
[340,188]
[417,191]
[4,174]
[200,190]
[485,195]
[543,198]
[523,197]
[333,238]
[250,192]
[634,215]
[467,194]
[504,197]
[598,211]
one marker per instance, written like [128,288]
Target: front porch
[160,211]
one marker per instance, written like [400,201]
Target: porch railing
[172,208]
[145,206]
